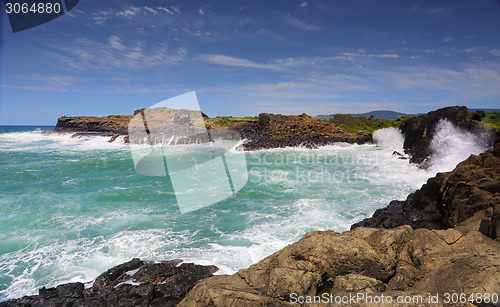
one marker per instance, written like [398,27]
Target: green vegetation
[228,121]
[489,120]
[114,116]
[354,124]
[305,115]
[478,115]
[222,121]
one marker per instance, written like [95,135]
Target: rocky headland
[268,131]
[443,239]
[113,124]
[277,131]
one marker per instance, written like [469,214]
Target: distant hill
[487,110]
[379,114]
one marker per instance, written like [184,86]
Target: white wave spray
[389,138]
[451,145]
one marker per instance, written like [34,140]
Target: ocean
[71,208]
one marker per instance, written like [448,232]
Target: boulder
[134,283]
[373,262]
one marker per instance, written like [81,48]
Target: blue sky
[248,57]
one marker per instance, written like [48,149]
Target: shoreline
[323,276]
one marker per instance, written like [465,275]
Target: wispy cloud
[39,83]
[85,54]
[472,49]
[225,60]
[495,52]
[115,42]
[303,4]
[297,23]
[438,11]
[448,39]
[362,53]
[130,11]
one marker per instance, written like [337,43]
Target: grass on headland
[489,120]
[354,124]
[346,122]
[227,121]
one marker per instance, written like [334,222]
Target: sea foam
[451,145]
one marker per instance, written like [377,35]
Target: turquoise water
[73,207]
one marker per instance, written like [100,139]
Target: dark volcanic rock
[134,283]
[111,124]
[270,131]
[420,130]
[277,131]
[467,198]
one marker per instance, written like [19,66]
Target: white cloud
[87,54]
[225,60]
[115,42]
[297,23]
[438,11]
[362,53]
[448,39]
[303,4]
[495,52]
[165,10]
[176,9]
[201,12]
[45,83]
[133,11]
[129,12]
[99,20]
[152,11]
[471,50]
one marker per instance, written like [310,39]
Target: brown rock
[446,261]
[111,124]
[353,283]
[398,262]
[276,130]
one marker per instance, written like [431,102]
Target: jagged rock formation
[269,131]
[112,124]
[134,283]
[276,130]
[399,261]
[420,130]
[467,198]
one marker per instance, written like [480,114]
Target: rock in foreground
[134,283]
[399,261]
